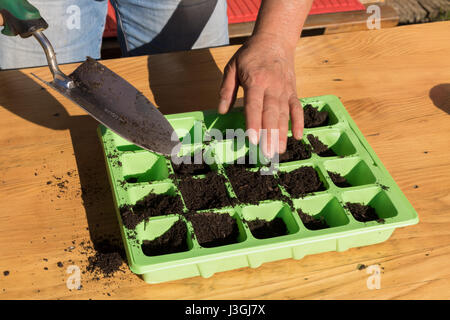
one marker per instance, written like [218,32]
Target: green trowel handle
[20,18]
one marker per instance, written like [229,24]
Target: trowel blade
[118,105]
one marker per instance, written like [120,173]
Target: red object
[247,10]
[111,23]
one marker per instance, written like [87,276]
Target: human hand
[264,67]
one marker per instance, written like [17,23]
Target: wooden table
[395,84]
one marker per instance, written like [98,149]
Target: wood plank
[331,22]
[394,83]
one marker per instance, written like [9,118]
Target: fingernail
[252,136]
[222,106]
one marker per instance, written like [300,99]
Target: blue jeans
[144,27]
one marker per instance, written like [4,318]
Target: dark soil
[363,213]
[132,180]
[313,117]
[296,150]
[107,260]
[252,187]
[338,180]
[319,148]
[247,163]
[312,223]
[172,241]
[150,206]
[262,229]
[214,229]
[188,167]
[301,181]
[207,193]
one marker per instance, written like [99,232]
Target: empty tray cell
[351,171]
[322,208]
[164,236]
[296,150]
[371,204]
[268,220]
[142,167]
[299,181]
[120,143]
[152,205]
[205,193]
[337,142]
[189,129]
[228,151]
[214,229]
[216,123]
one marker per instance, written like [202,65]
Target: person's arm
[1,20]
[264,67]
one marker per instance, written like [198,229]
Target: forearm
[1,20]
[283,19]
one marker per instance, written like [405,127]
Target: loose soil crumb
[59,264]
[207,193]
[313,117]
[252,187]
[150,206]
[6,273]
[263,229]
[363,213]
[214,229]
[319,148]
[361,266]
[172,241]
[312,223]
[301,181]
[296,150]
[105,258]
[339,180]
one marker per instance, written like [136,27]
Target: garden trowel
[102,93]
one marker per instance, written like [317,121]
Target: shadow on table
[193,70]
[96,192]
[440,95]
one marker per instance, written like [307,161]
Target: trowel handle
[20,18]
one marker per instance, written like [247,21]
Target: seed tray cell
[135,173]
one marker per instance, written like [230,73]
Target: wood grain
[330,22]
[394,83]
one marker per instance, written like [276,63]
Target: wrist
[273,41]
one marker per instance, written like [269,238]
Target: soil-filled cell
[369,204]
[330,143]
[166,236]
[205,193]
[301,181]
[354,171]
[253,186]
[213,229]
[322,211]
[270,220]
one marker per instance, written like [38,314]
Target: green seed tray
[356,161]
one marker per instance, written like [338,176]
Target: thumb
[229,87]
